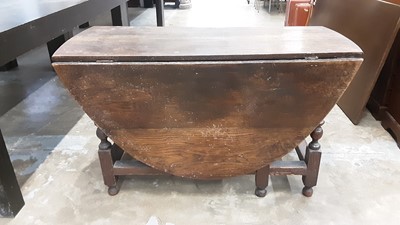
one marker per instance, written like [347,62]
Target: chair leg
[262,176]
[312,159]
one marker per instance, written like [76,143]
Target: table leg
[107,158]
[9,65]
[54,44]
[11,200]
[312,159]
[262,177]
[119,15]
[84,25]
[160,13]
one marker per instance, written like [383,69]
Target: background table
[26,24]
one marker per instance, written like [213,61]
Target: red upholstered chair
[298,12]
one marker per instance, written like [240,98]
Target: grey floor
[53,147]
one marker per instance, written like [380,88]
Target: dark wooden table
[26,24]
[207,103]
[11,200]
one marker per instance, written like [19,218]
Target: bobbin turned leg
[262,176]
[106,163]
[312,159]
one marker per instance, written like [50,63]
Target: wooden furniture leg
[262,177]
[108,156]
[114,163]
[11,200]
[390,124]
[307,166]
[312,159]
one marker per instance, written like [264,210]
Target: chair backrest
[298,12]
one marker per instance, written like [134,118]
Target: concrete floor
[53,147]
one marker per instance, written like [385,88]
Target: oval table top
[224,102]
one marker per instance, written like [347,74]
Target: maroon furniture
[298,12]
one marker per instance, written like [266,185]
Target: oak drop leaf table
[207,103]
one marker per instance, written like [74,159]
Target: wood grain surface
[207,102]
[140,44]
[208,119]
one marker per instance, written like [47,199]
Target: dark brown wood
[126,165]
[262,177]
[384,102]
[300,150]
[392,125]
[372,25]
[142,44]
[393,107]
[378,101]
[307,165]
[11,200]
[207,119]
[188,123]
[133,167]
[281,168]
[393,1]
[312,159]
[107,163]
[116,163]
